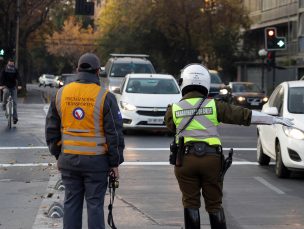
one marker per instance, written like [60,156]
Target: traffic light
[2,52]
[83,7]
[272,42]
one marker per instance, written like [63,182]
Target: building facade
[287,16]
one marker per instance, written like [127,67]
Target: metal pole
[263,73]
[273,70]
[17,33]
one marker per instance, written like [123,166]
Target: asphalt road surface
[148,197]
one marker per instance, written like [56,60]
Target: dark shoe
[15,121]
[192,218]
[217,220]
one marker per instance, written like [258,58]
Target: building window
[301,44]
[269,4]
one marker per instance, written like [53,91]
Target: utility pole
[17,33]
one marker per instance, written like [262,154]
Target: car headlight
[127,106]
[293,132]
[265,99]
[223,91]
[241,99]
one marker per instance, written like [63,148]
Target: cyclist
[9,79]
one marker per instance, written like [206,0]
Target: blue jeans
[13,93]
[80,185]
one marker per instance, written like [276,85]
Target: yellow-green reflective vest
[203,127]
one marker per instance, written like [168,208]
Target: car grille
[151,113]
[144,123]
[253,99]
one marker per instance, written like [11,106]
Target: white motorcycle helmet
[195,77]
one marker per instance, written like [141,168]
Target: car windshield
[122,69]
[215,79]
[49,76]
[245,88]
[152,86]
[296,100]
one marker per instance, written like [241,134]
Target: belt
[202,148]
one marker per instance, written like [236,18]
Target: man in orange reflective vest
[84,133]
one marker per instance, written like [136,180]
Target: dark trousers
[80,185]
[200,176]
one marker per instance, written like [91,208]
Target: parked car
[119,65]
[47,80]
[143,99]
[283,144]
[247,94]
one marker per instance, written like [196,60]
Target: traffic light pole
[273,70]
[17,34]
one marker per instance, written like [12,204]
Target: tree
[71,41]
[174,32]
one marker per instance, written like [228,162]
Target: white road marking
[129,148]
[268,185]
[126,163]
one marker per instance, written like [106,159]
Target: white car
[47,80]
[143,99]
[283,144]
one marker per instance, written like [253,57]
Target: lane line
[270,186]
[6,165]
[129,148]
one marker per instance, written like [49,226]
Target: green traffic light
[2,52]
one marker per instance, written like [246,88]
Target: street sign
[272,42]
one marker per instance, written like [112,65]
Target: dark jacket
[9,77]
[226,113]
[112,128]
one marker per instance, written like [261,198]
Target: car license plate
[155,121]
[255,103]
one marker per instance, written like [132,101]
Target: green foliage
[174,32]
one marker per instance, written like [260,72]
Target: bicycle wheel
[10,114]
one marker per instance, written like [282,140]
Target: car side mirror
[102,72]
[117,90]
[271,111]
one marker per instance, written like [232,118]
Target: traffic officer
[202,160]
[84,132]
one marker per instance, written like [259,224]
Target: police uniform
[84,132]
[200,171]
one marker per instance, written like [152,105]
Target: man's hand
[116,172]
[283,121]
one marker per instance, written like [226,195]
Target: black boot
[192,218]
[217,220]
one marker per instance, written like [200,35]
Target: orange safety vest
[80,107]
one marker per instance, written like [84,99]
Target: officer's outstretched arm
[265,119]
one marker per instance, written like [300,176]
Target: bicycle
[9,111]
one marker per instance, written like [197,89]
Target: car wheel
[39,85]
[280,169]
[44,85]
[262,158]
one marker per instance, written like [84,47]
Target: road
[148,197]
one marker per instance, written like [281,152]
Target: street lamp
[262,53]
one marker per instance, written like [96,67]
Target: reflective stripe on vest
[203,126]
[80,107]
